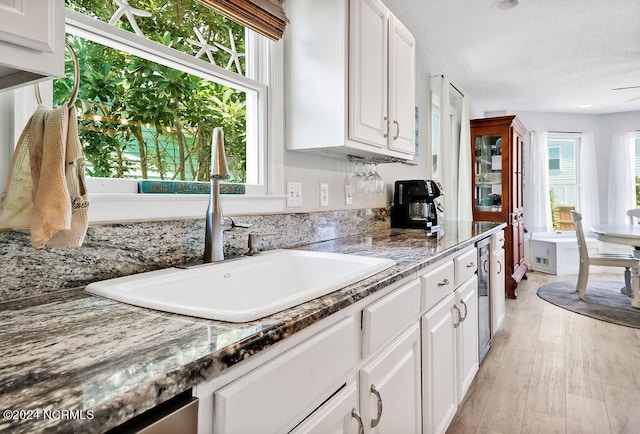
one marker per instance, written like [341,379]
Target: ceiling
[543,55]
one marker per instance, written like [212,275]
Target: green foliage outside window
[140,119]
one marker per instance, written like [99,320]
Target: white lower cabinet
[399,364]
[279,394]
[497,281]
[449,340]
[467,335]
[439,366]
[390,387]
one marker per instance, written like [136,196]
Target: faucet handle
[240,225]
[252,242]
[233,224]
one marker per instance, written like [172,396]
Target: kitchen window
[154,83]
[563,179]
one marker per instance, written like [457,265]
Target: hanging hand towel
[46,189]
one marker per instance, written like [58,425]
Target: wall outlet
[348,195]
[294,194]
[324,194]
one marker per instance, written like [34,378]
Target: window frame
[114,200]
[636,145]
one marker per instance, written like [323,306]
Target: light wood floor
[553,371]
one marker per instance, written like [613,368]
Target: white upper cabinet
[368,72]
[31,41]
[349,79]
[402,93]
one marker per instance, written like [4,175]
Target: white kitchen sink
[245,289]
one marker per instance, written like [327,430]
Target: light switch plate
[324,194]
[294,194]
[348,195]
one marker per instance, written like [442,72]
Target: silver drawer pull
[471,264]
[466,311]
[456,324]
[356,416]
[500,264]
[376,421]
[445,282]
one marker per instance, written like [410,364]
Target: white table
[629,235]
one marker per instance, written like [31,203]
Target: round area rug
[602,301]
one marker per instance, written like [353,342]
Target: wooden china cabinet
[497,150]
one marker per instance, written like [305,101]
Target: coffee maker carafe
[415,205]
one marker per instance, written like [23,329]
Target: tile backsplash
[127,248]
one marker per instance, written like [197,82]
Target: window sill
[127,207]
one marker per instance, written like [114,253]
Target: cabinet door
[515,244]
[520,239]
[401,88]
[334,416]
[467,336]
[497,291]
[31,41]
[390,387]
[489,165]
[284,391]
[439,366]
[368,75]
[26,24]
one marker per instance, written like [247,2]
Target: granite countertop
[92,363]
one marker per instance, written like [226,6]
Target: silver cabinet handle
[445,282]
[471,264]
[397,124]
[500,264]
[466,311]
[456,324]
[387,133]
[356,416]
[484,266]
[376,421]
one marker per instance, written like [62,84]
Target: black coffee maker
[415,205]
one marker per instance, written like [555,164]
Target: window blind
[264,16]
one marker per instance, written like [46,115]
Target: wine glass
[357,180]
[379,182]
[369,180]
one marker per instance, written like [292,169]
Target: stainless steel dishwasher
[484,307]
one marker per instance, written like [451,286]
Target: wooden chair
[634,215]
[629,262]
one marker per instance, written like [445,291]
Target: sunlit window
[563,180]
[148,102]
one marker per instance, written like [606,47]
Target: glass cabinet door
[488,173]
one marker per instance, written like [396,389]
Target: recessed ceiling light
[585,106]
[506,4]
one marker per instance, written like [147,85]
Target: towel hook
[76,82]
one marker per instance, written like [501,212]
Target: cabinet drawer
[497,241]
[281,393]
[334,416]
[437,284]
[465,266]
[387,317]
